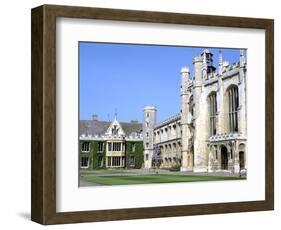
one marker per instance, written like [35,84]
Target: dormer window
[115,130]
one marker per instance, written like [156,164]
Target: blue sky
[126,77]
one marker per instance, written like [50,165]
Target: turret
[207,65]
[197,68]
[185,79]
[185,94]
[149,122]
[202,71]
[242,59]
[220,63]
[242,93]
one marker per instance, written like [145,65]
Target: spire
[220,62]
[242,58]
[204,59]
[204,67]
[115,114]
[220,57]
[185,78]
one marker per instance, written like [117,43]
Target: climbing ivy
[137,154]
[95,157]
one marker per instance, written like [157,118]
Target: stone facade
[167,135]
[209,133]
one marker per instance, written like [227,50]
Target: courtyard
[142,176]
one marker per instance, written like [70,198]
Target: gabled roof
[115,125]
[99,128]
[171,119]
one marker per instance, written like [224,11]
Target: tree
[156,156]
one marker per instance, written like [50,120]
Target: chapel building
[209,133]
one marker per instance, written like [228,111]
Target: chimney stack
[95,117]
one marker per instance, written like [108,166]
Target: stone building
[209,134]
[114,144]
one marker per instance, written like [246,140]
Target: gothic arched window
[213,113]
[191,105]
[233,103]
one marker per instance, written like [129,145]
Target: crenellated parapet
[226,137]
[205,73]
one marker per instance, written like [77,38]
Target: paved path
[88,184]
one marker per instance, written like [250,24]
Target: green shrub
[175,168]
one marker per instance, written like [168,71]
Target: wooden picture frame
[43,170]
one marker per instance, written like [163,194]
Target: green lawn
[151,178]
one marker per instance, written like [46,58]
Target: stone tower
[207,66]
[201,69]
[242,92]
[149,122]
[185,120]
[220,98]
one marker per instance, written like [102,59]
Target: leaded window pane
[233,104]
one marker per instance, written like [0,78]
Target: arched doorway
[241,160]
[224,158]
[192,155]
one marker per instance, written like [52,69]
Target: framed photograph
[140,114]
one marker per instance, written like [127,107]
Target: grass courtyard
[150,178]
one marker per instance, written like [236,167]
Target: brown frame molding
[43,157]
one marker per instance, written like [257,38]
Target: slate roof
[168,120]
[96,127]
